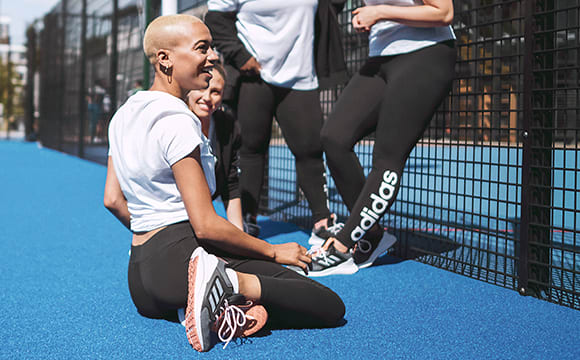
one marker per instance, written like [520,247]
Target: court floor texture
[64,293]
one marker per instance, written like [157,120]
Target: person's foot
[212,306]
[320,234]
[330,262]
[367,251]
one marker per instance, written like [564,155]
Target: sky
[23,13]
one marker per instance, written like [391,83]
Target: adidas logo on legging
[379,205]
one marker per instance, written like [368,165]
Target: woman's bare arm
[234,212]
[432,13]
[114,200]
[211,227]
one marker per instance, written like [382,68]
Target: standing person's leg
[255,113]
[354,116]
[300,118]
[292,300]
[416,84]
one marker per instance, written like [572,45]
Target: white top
[392,38]
[147,135]
[280,35]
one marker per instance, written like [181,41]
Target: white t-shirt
[147,135]
[392,38]
[280,35]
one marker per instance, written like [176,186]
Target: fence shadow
[411,245]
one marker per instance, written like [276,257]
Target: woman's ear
[163,60]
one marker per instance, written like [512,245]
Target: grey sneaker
[331,262]
[319,236]
[212,306]
[366,252]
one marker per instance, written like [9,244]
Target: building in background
[13,70]
[4,29]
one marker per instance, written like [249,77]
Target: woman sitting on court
[159,183]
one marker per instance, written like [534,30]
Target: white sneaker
[319,236]
[330,262]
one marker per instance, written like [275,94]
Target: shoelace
[317,252]
[314,249]
[335,229]
[232,319]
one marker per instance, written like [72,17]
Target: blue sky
[23,13]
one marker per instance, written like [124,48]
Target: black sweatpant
[300,118]
[395,97]
[158,285]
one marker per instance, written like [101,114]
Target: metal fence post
[31,61]
[523,247]
[535,239]
[541,138]
[82,81]
[114,64]
[146,64]
[62,78]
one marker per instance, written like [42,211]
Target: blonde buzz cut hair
[165,32]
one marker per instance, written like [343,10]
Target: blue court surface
[63,269]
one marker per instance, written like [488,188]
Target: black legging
[158,285]
[300,117]
[396,97]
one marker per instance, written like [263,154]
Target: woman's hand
[337,245]
[432,13]
[251,67]
[364,18]
[292,254]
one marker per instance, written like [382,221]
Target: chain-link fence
[490,191]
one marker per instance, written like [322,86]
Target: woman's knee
[333,145]
[331,308]
[254,147]
[334,311]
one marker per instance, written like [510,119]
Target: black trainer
[366,252]
[331,262]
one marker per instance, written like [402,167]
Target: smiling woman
[219,125]
[160,179]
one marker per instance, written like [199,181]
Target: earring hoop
[167,70]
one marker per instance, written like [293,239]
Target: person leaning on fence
[274,45]
[395,94]
[159,184]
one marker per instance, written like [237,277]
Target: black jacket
[328,53]
[226,150]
